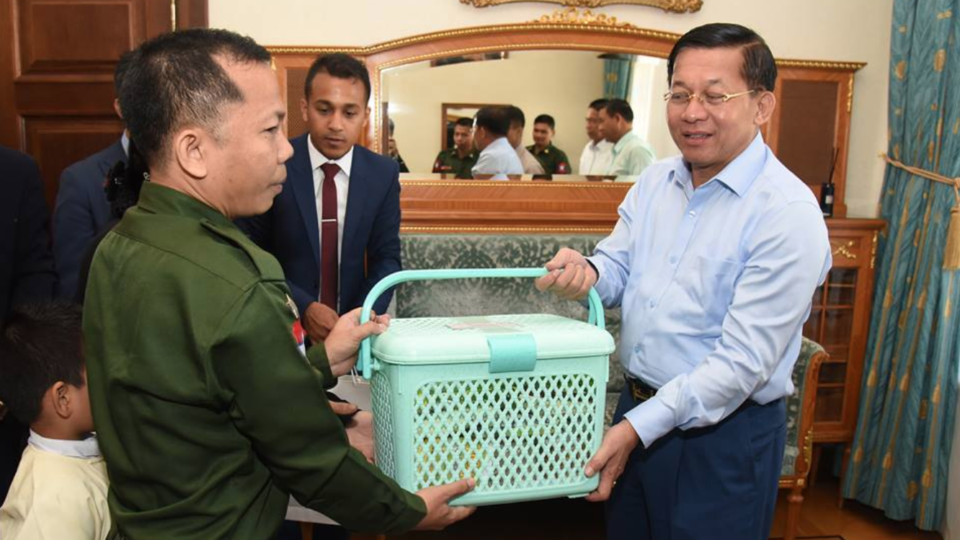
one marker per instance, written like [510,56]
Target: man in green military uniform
[208,411]
[553,159]
[458,161]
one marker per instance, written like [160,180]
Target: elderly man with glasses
[714,262]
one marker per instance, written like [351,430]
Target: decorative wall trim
[673,6]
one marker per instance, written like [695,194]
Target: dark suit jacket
[81,212]
[291,232]
[26,266]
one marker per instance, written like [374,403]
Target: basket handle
[364,362]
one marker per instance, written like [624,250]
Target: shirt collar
[624,141]
[163,200]
[501,142]
[317,158]
[738,175]
[125,143]
[599,145]
[86,448]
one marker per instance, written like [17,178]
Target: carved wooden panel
[56,143]
[69,36]
[57,59]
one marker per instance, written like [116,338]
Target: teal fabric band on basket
[512,352]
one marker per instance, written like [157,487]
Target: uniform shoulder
[258,264]
[218,249]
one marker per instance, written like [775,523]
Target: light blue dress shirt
[715,284]
[498,158]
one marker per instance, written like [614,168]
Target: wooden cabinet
[840,320]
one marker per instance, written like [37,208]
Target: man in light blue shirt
[714,262]
[630,154]
[497,157]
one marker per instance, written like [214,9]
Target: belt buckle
[639,394]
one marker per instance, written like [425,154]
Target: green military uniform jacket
[207,412]
[553,159]
[449,162]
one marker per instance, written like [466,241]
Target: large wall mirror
[557,68]
[559,83]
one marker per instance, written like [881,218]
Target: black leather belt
[640,390]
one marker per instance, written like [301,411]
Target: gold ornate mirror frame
[569,29]
[675,6]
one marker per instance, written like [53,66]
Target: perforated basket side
[383,422]
[509,434]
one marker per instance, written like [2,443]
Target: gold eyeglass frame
[703,100]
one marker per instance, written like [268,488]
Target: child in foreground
[60,489]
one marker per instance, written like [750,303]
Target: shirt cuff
[651,420]
[317,356]
[600,285]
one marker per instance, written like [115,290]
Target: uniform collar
[85,448]
[533,149]
[317,158]
[163,200]
[738,175]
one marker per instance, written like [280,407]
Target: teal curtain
[901,449]
[617,75]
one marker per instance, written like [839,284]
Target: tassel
[951,250]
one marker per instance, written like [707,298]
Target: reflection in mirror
[421,96]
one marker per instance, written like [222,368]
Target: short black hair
[40,344]
[621,107]
[465,122]
[174,81]
[598,104]
[515,115]
[120,72]
[338,66]
[759,68]
[496,120]
[546,119]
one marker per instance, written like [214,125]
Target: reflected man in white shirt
[598,153]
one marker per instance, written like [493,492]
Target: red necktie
[329,241]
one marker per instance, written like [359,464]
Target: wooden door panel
[57,59]
[56,143]
[66,36]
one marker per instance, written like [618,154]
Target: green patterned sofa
[497,296]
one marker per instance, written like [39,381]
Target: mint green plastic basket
[514,401]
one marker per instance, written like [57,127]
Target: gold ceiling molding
[675,6]
[572,15]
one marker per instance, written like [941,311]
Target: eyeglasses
[682,99]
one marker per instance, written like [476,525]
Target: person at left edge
[367,196]
[26,271]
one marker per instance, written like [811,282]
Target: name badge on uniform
[299,335]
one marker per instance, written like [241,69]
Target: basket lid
[459,340]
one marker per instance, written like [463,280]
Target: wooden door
[57,59]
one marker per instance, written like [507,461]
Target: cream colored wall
[853,30]
[526,79]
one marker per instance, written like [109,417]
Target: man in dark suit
[82,209]
[26,271]
[335,228]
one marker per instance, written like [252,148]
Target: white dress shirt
[596,157]
[498,159]
[342,181]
